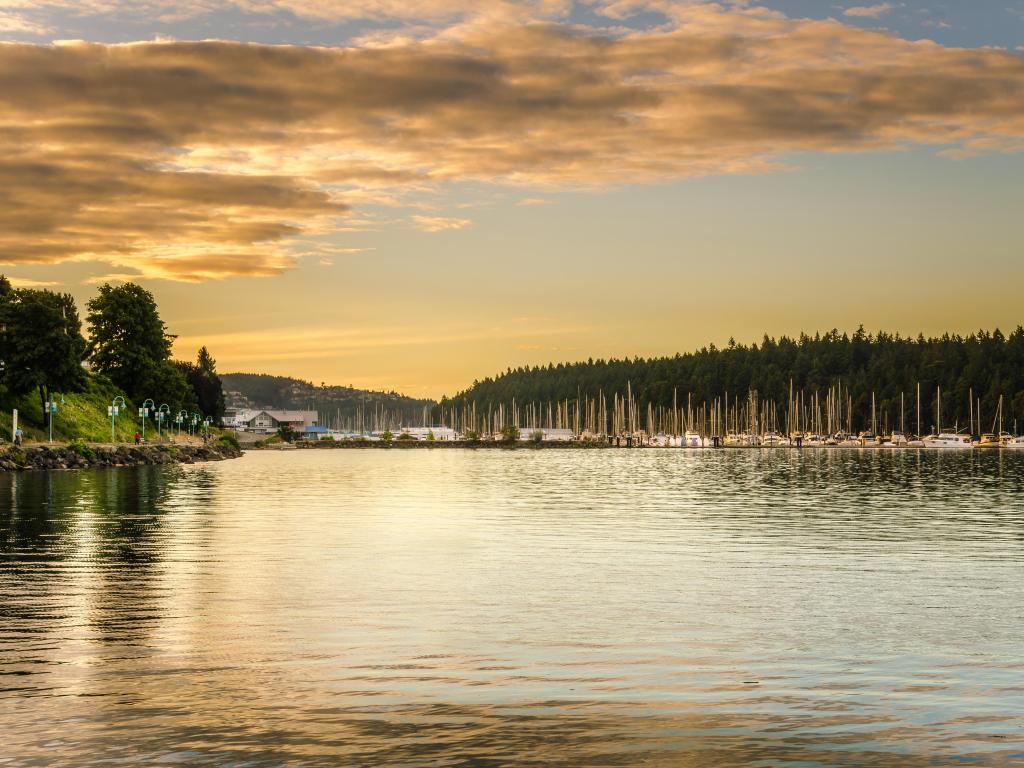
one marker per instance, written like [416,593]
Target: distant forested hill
[884,364]
[339,407]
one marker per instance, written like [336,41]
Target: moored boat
[948,440]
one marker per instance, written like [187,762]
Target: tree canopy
[41,346]
[989,364]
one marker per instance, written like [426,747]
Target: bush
[259,443]
[537,436]
[430,436]
[229,440]
[472,436]
[510,433]
[386,436]
[82,449]
[405,437]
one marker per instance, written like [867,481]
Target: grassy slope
[83,415]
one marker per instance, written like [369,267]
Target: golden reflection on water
[494,608]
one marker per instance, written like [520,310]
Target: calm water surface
[458,608]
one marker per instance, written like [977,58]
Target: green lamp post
[113,410]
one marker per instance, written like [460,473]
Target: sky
[414,194]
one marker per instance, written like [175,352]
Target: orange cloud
[439,223]
[202,160]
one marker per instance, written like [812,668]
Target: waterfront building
[266,422]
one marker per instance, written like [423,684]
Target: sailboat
[946,440]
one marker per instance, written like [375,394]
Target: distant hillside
[985,364]
[339,407]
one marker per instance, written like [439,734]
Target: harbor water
[517,607]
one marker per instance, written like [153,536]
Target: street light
[112,411]
[162,413]
[147,405]
[51,408]
[181,416]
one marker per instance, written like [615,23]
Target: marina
[807,420]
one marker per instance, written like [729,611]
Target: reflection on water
[492,608]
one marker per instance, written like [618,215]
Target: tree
[129,343]
[207,390]
[42,346]
[208,387]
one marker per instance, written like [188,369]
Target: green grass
[82,416]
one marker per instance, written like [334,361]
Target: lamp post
[112,411]
[51,408]
[196,420]
[162,414]
[147,405]
[179,419]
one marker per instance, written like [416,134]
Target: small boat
[869,440]
[1009,441]
[948,440]
[739,440]
[989,440]
[774,440]
[897,440]
[692,439]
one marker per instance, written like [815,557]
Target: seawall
[412,445]
[83,456]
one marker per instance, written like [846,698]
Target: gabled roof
[288,415]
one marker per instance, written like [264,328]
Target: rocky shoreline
[85,456]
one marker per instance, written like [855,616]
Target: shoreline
[411,445]
[44,456]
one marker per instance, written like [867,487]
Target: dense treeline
[43,350]
[989,364]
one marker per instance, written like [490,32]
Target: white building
[441,434]
[548,435]
[266,422]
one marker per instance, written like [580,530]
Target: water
[460,608]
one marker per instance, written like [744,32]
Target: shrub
[537,436]
[430,436]
[472,436]
[229,440]
[259,443]
[82,449]
[405,436]
[510,433]
[386,436]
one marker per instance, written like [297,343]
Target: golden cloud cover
[200,160]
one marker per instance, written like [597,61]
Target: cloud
[25,282]
[439,223]
[205,160]
[533,201]
[868,11]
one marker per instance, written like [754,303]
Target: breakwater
[403,445]
[84,456]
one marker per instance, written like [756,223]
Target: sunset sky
[411,194]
